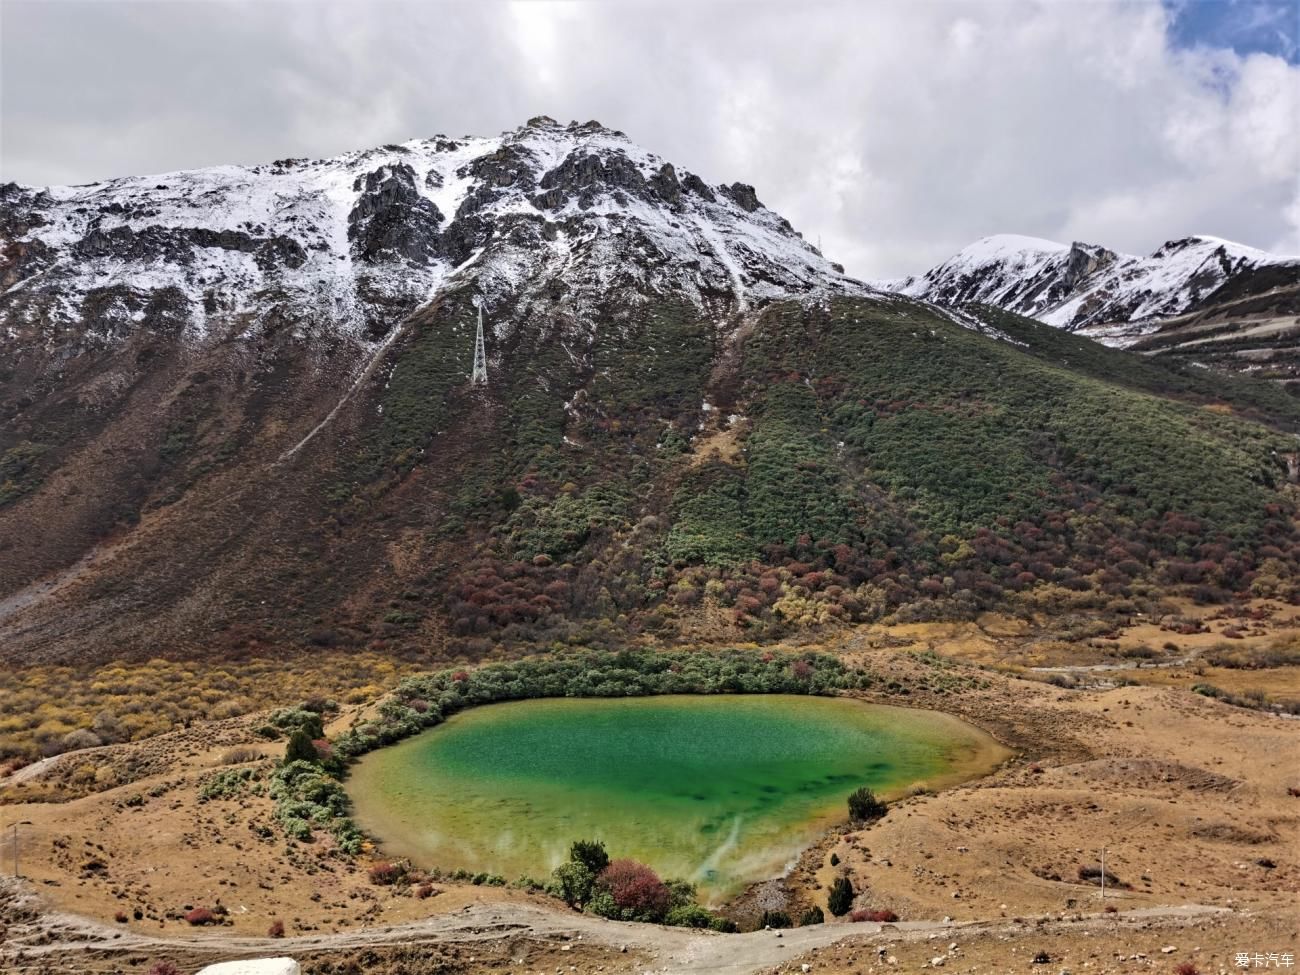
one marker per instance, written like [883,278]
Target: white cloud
[896,131]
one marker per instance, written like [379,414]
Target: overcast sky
[896,131]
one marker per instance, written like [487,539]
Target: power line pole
[479,376]
[1103,873]
[25,822]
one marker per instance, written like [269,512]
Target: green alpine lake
[721,790]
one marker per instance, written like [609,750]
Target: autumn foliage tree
[634,890]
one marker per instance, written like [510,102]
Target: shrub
[572,883]
[384,874]
[298,719]
[120,917]
[79,739]
[424,891]
[879,916]
[635,889]
[840,899]
[1093,875]
[689,916]
[864,806]
[813,915]
[238,756]
[775,919]
[276,930]
[163,968]
[306,794]
[200,916]
[1187,968]
[591,854]
[835,859]
[300,748]
[230,783]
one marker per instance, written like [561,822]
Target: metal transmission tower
[479,376]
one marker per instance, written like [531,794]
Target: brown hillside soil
[1105,944]
[1188,796]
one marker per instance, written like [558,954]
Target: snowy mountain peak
[1085,285]
[1005,245]
[353,243]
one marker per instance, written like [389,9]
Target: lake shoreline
[955,751]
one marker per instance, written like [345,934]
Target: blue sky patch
[1245,26]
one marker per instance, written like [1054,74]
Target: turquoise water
[720,790]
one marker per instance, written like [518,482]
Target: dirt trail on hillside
[672,951]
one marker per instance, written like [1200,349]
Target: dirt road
[41,939]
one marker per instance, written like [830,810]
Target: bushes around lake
[426,700]
[625,890]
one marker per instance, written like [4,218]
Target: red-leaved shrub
[120,917]
[635,887]
[879,916]
[163,968]
[201,915]
[276,930]
[1187,968]
[386,874]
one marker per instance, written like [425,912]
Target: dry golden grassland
[41,706]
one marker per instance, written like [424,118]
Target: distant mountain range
[236,414]
[1200,299]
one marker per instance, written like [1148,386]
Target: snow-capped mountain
[351,244]
[1084,286]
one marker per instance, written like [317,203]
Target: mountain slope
[1199,298]
[694,426]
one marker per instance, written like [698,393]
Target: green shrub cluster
[559,528]
[970,429]
[624,890]
[308,796]
[710,526]
[232,782]
[300,718]
[814,915]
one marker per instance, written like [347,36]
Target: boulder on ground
[254,966]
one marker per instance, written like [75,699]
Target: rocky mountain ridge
[1200,299]
[353,243]
[1080,286]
